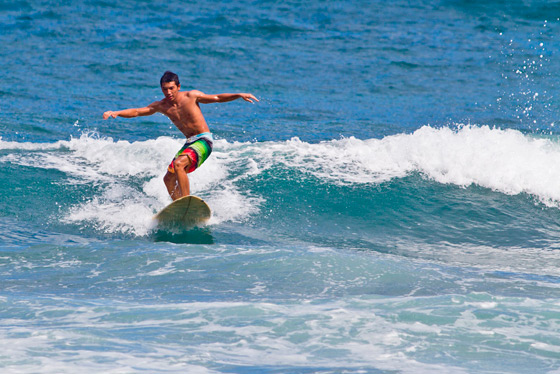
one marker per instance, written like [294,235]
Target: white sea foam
[116,166]
[326,329]
[357,333]
[506,161]
[503,160]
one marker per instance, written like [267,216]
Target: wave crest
[128,174]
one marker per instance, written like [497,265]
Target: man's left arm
[222,98]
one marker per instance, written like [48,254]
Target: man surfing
[183,109]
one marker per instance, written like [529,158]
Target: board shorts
[197,148]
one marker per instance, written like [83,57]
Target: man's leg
[181,165]
[170,180]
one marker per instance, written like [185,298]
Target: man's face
[170,90]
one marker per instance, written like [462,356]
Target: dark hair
[169,77]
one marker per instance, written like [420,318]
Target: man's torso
[185,114]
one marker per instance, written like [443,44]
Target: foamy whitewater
[505,161]
[390,205]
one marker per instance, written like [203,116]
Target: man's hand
[248,97]
[109,113]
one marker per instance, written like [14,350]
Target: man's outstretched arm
[131,113]
[222,98]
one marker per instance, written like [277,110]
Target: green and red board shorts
[198,148]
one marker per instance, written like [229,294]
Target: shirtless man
[183,109]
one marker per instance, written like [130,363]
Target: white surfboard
[186,211]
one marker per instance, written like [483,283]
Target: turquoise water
[391,205]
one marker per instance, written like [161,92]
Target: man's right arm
[133,112]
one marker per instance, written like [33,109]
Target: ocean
[391,205]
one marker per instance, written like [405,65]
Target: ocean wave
[506,161]
[129,173]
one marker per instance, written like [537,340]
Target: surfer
[183,109]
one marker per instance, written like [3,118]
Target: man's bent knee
[182,163]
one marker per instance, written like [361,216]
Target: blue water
[391,205]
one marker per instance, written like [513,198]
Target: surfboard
[186,211]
